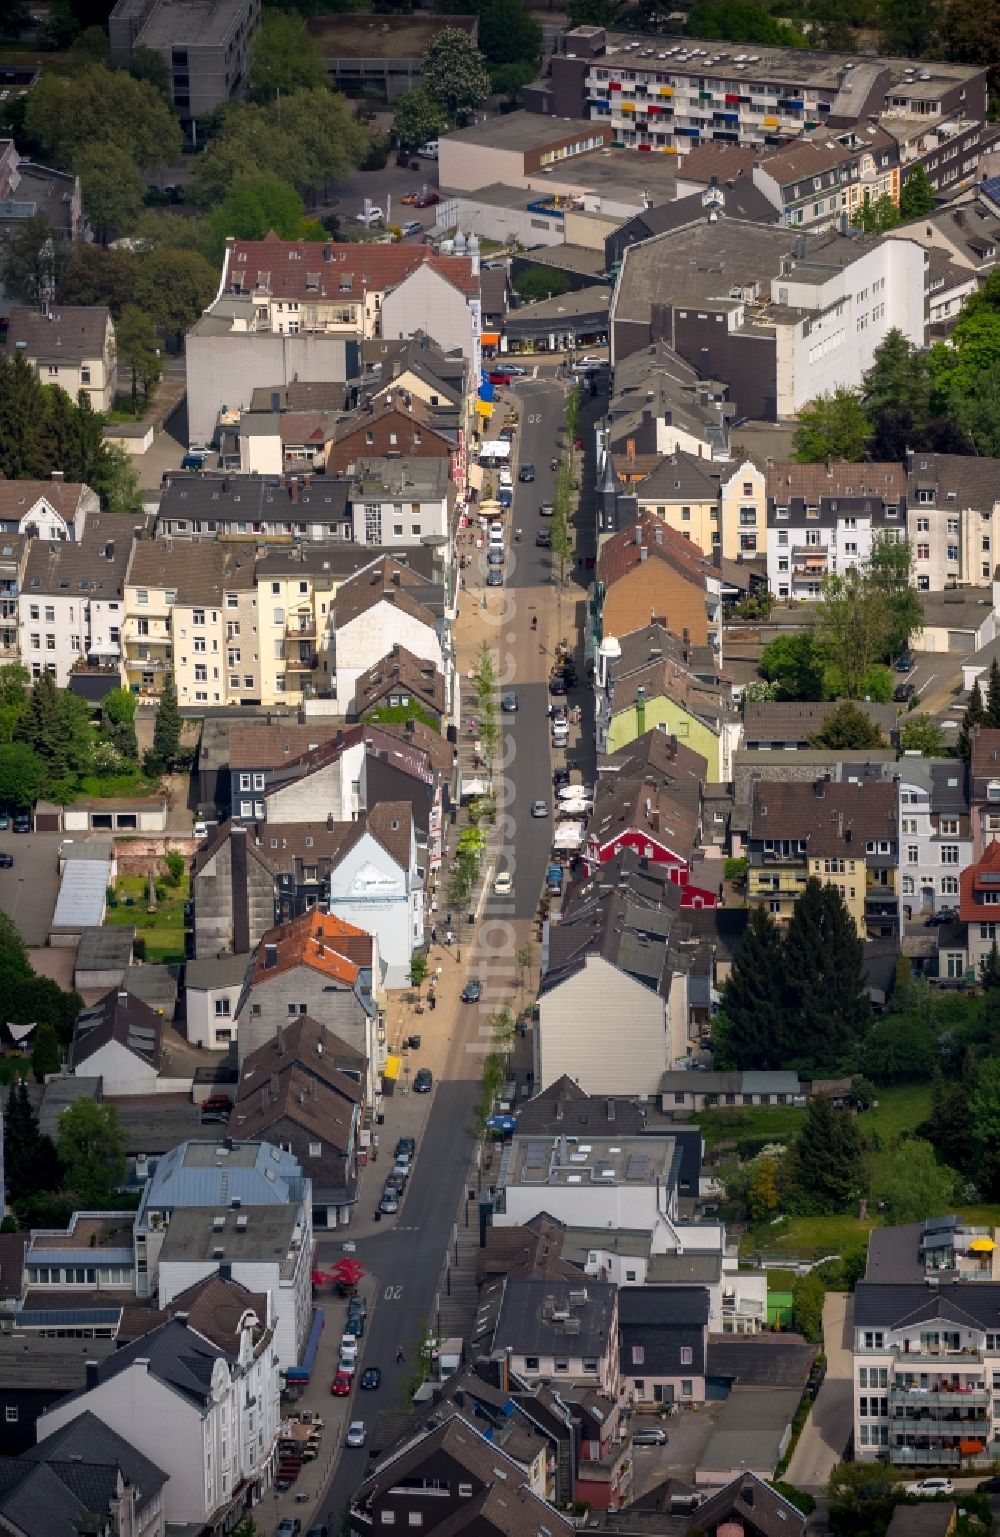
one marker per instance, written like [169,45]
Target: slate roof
[796,721]
[793,809]
[390,823]
[18,497]
[390,581]
[123,1018]
[71,334]
[278,743]
[808,157]
[566,1108]
[93,568]
[884,1305]
[522,1328]
[286,269]
[320,1110]
[532,1250]
[57,1486]
[657,1323]
[975,481]
[195,1174]
[681,477]
[748,1499]
[314,939]
[310,1045]
[177,1356]
[676,682]
[840,478]
[261,498]
[641,648]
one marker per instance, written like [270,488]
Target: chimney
[293,490]
[640,711]
[58,475]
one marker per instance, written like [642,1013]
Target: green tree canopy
[909,27]
[149,65]
[284,58]
[255,205]
[67,113]
[112,189]
[919,733]
[825,976]
[509,34]
[847,729]
[97,275]
[34,260]
[832,427]
[876,215]
[911,1184]
[454,73]
[827,1161]
[167,727]
[22,774]
[541,283]
[139,353]
[794,664]
[975,716]
[45,1057]
[916,200]
[750,1031]
[91,1146]
[740,21]
[174,287]
[418,119]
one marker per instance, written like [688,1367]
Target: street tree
[919,733]
[174,287]
[255,204]
[140,354]
[167,727]
[974,717]
[91,1147]
[112,188]
[326,134]
[847,729]
[284,58]
[751,1029]
[418,118]
[95,274]
[419,968]
[561,537]
[916,200]
[993,696]
[454,73]
[832,427]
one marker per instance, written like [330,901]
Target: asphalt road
[406,1259]
[28,892]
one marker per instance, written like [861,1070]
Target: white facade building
[935,832]
[377,886]
[71,604]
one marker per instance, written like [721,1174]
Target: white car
[590,360]
[928,1487]
[428,151]
[200,830]
[496,535]
[503,886]
[374,215]
[506,479]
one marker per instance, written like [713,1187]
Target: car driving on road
[927,1488]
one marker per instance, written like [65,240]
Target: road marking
[394,1293]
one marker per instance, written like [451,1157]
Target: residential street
[405,1255]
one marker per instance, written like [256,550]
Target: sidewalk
[824,1438]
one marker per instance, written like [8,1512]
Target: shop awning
[490,338]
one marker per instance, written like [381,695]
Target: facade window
[954,967]
[949,853]
[687,1355]
[222,1010]
[949,885]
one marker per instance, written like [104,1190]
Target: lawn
[118,785]
[161,932]
[900,1108]
[806,1238]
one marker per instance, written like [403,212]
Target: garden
[159,922]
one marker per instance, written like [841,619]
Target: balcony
[974,1428]
[146,664]
[304,628]
[306,661]
[971,1398]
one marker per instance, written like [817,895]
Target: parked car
[288,1526]
[904,692]
[560,777]
[988,1486]
[428,151]
[500,376]
[407,1144]
[554,880]
[217,1102]
[341,1386]
[650,1435]
[905,664]
[472,992]
[200,830]
[371,1378]
[526,473]
[355,1325]
[412,227]
[357,1434]
[506,434]
[539,809]
[494,578]
[543,539]
[943,915]
[409,198]
[375,215]
[927,1488]
[508,704]
[557,684]
[388,1205]
[590,360]
[22,821]
[6,861]
[516,370]
[424,1081]
[357,1307]
[495,557]
[427,200]
[4,819]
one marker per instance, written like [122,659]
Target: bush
[377,157]
[176,865]
[809,1295]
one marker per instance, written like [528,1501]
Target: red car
[341,1385]
[498,377]
[427,200]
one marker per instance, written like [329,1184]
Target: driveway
[827,1431]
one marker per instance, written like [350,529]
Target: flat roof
[750,1429]
[105,946]
[590,1161]
[361,36]
[261,1233]
[83,894]
[34,1361]
[614,171]
[197,23]
[523,130]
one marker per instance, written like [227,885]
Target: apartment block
[935,831]
[670,94]
[823,520]
[205,45]
[71,607]
[179,600]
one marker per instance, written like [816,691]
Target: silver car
[357,1433]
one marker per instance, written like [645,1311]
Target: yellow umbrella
[982,1246]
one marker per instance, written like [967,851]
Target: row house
[396,503]
[14,550]
[935,831]
[71,607]
[659,405]
[386,604]
[651,573]
[677,95]
[845,835]
[979,911]
[207,1417]
[46,509]
[953,519]
[984,788]
[743,502]
[823,519]
[683,491]
[322,966]
[399,424]
[70,346]
[179,600]
[826,178]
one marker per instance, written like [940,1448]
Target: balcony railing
[973,1398]
[307,663]
[303,627]
[974,1427]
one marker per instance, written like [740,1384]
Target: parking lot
[688,1435]
[28,891]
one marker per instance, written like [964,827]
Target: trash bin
[380,1118]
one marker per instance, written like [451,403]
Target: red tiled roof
[317,269]
[319,940]
[973,886]
[623,552]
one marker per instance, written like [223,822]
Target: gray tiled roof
[886,1306]
[73,334]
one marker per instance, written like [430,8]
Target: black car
[903,692]
[526,472]
[424,1081]
[560,777]
[543,539]
[472,992]
[6,861]
[22,821]
[557,683]
[406,1145]
[494,578]
[905,662]
[988,1486]
[371,1377]
[943,915]
[508,704]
